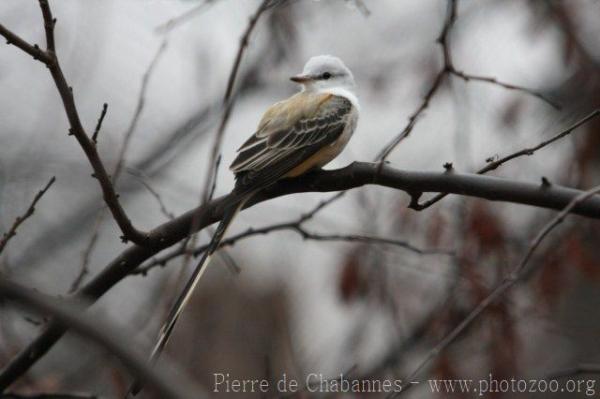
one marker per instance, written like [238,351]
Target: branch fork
[50,59]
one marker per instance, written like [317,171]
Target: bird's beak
[300,78]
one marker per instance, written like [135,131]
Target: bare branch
[19,220]
[437,82]
[49,23]
[99,123]
[295,226]
[87,254]
[487,79]
[368,239]
[163,208]
[33,50]
[137,113]
[228,100]
[412,119]
[167,384]
[517,274]
[186,16]
[50,59]
[89,249]
[495,164]
[530,151]
[448,69]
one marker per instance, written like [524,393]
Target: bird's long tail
[182,300]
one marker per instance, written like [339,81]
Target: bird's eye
[326,75]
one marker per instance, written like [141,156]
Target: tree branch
[228,100]
[50,59]
[89,249]
[19,220]
[354,175]
[509,86]
[295,226]
[448,69]
[167,384]
[141,102]
[437,82]
[495,164]
[228,103]
[172,23]
[99,123]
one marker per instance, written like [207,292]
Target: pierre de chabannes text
[314,382]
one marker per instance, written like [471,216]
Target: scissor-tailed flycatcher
[294,136]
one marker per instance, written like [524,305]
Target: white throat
[342,92]
[336,91]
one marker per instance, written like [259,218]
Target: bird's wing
[289,133]
[284,114]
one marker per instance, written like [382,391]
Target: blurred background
[306,306]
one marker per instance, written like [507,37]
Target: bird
[295,136]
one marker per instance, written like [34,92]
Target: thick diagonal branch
[166,383]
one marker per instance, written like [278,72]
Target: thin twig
[87,253]
[163,208]
[295,226]
[228,102]
[20,219]
[228,99]
[517,274]
[531,150]
[495,164]
[138,111]
[443,41]
[369,239]
[186,16]
[99,123]
[448,69]
[509,86]
[412,119]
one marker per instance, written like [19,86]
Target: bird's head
[324,72]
